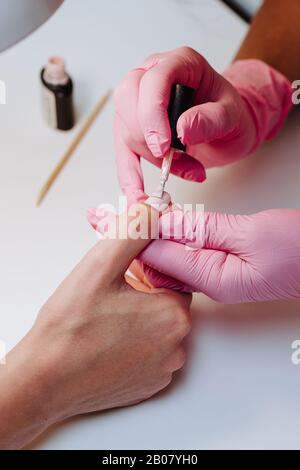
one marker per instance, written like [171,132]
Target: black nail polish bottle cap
[181,99]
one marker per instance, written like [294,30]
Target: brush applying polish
[181,99]
[164,176]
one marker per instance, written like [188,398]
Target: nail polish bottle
[57,95]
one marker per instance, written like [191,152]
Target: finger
[101,220]
[128,166]
[168,258]
[108,223]
[160,280]
[155,282]
[136,269]
[126,237]
[184,227]
[205,123]
[137,285]
[126,128]
[150,278]
[154,96]
[177,359]
[195,229]
[227,232]
[211,230]
[212,272]
[217,269]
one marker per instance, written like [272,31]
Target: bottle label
[49,107]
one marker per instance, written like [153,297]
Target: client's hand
[97,344]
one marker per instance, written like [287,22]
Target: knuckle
[98,272]
[224,112]
[179,359]
[118,93]
[166,381]
[183,321]
[175,315]
[122,89]
[152,59]
[187,50]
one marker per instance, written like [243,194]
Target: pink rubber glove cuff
[267,93]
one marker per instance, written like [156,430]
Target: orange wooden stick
[74,144]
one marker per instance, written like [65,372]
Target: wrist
[26,395]
[267,94]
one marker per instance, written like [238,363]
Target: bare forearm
[274,37]
[22,397]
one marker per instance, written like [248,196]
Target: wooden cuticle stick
[74,144]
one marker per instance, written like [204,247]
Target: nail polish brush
[181,99]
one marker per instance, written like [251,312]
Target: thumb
[210,230]
[125,237]
[215,262]
[213,272]
[205,123]
[216,266]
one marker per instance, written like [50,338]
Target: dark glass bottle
[57,95]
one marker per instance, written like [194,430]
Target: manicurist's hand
[233,114]
[234,258]
[97,344]
[231,258]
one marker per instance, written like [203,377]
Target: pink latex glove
[238,258]
[234,113]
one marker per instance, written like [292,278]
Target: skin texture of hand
[97,344]
[234,113]
[233,258]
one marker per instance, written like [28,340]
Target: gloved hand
[234,258]
[234,113]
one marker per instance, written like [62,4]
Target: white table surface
[240,389]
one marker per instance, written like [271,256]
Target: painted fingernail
[160,204]
[92,218]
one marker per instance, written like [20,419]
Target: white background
[240,389]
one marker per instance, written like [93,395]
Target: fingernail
[180,133]
[100,218]
[196,173]
[157,144]
[159,203]
[92,218]
[201,176]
